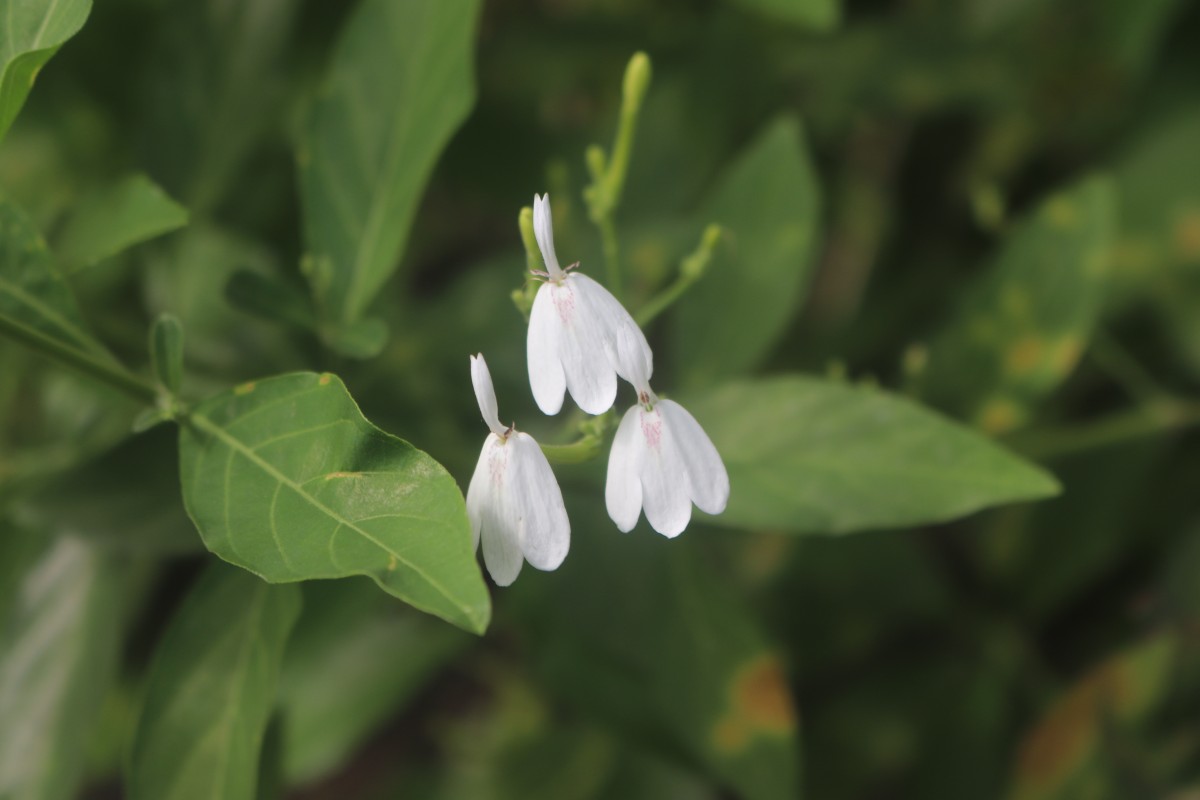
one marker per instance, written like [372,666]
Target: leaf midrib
[205,424]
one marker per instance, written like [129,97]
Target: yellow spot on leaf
[392,563]
[1024,356]
[324,379]
[760,704]
[999,415]
[1187,234]
[333,475]
[245,388]
[1061,213]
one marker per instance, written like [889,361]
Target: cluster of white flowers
[581,339]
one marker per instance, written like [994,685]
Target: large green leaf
[768,203]
[32,31]
[211,690]
[813,456]
[121,215]
[399,85]
[286,478]
[35,303]
[59,642]
[1022,328]
[818,15]
[353,661]
[640,633]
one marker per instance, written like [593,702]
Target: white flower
[514,503]
[662,461]
[580,337]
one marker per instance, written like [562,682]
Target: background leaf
[708,688]
[1024,325]
[121,215]
[768,203]
[33,32]
[211,690]
[35,302]
[818,15]
[398,87]
[355,659]
[286,478]
[59,607]
[812,456]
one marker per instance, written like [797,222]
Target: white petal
[546,377]
[545,529]
[665,491]
[583,348]
[485,394]
[623,488]
[626,345]
[707,477]
[543,230]
[498,523]
[479,491]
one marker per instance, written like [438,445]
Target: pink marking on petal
[564,301]
[652,429]
[497,464]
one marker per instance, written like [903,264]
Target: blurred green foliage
[927,271]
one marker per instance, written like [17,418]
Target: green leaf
[354,660]
[641,634]
[286,478]
[816,15]
[398,87]
[768,204]
[166,352]
[35,303]
[211,689]
[124,500]
[33,31]
[126,213]
[58,653]
[811,456]
[1022,328]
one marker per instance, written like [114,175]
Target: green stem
[612,255]
[690,270]
[112,374]
[583,449]
[1119,428]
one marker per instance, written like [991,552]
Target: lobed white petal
[499,524]
[582,346]
[624,343]
[546,377]
[543,230]
[665,492]
[545,529]
[485,394]
[708,481]
[623,487]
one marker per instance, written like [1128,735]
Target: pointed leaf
[211,690]
[1023,327]
[399,85]
[768,204]
[126,213]
[673,659]
[35,303]
[355,658]
[286,478]
[813,456]
[32,32]
[59,643]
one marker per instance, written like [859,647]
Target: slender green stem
[1119,428]
[612,255]
[585,448]
[110,373]
[690,270]
[1112,357]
